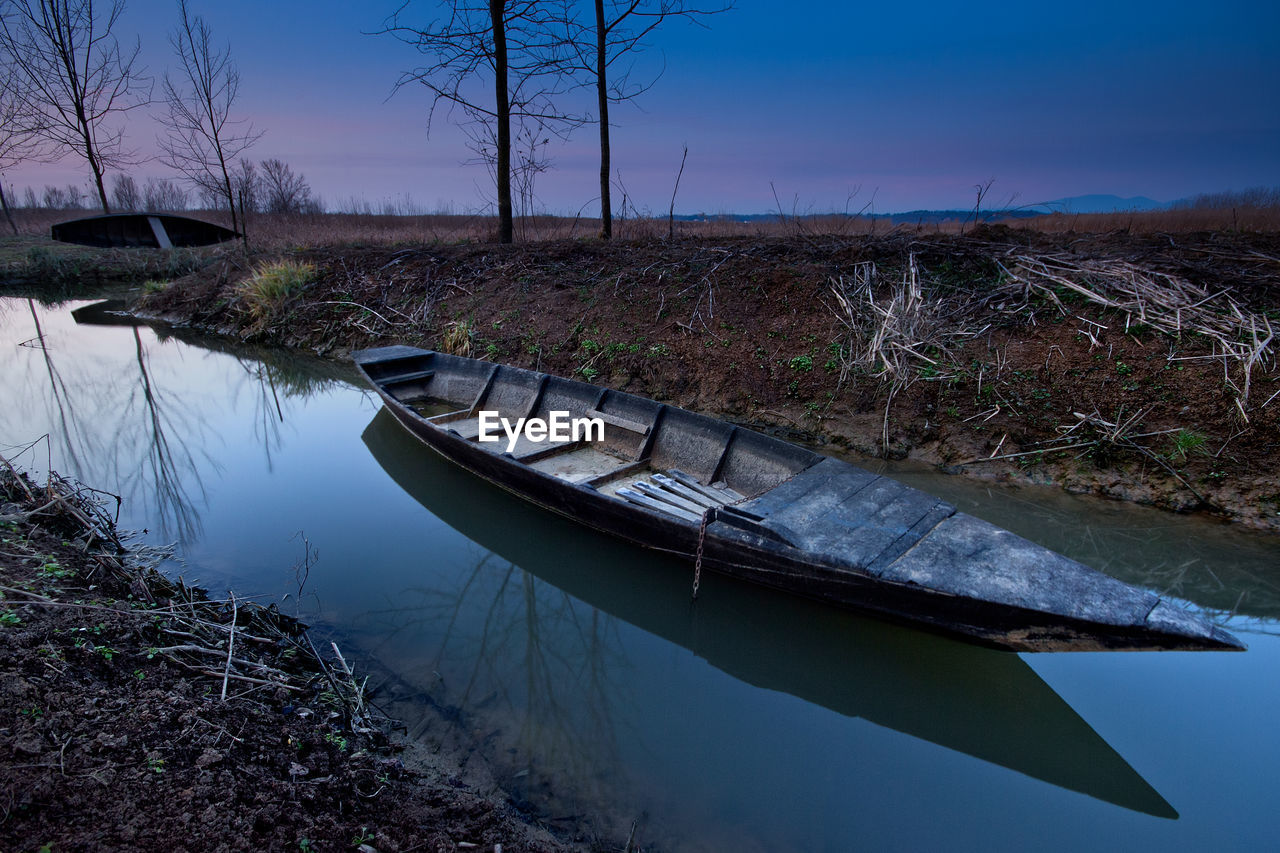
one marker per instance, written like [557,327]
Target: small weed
[588,372]
[492,351]
[801,362]
[364,836]
[1186,441]
[8,620]
[1123,369]
[50,568]
[155,765]
[337,740]
[457,337]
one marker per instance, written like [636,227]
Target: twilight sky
[907,104]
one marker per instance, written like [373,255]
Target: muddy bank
[1138,367]
[141,715]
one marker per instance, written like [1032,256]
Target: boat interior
[651,454]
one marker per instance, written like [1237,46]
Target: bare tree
[201,140]
[55,198]
[283,190]
[124,193]
[618,29]
[496,62]
[163,194]
[79,80]
[20,140]
[247,186]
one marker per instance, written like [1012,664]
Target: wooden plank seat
[678,494]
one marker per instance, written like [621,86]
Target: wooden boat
[770,512]
[977,701]
[146,230]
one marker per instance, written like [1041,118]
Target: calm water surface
[594,689]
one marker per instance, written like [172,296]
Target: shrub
[457,338]
[271,284]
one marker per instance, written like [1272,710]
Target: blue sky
[901,105]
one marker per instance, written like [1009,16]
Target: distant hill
[910,217]
[1099,204]
[1074,204]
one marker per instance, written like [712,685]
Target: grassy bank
[140,714]
[1140,367]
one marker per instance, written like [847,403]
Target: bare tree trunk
[602,98]
[97,179]
[86,133]
[506,226]
[4,202]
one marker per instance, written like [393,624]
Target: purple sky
[910,105]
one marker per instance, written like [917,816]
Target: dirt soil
[114,733]
[1138,367]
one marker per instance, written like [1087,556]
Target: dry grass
[272,283]
[274,232]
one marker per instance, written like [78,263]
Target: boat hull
[827,531]
[141,230]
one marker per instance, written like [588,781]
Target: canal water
[577,670]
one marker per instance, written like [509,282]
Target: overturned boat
[763,510]
[141,230]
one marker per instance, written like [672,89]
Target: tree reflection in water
[534,676]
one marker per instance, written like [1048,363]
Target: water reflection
[142,418]
[979,702]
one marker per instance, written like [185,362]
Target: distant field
[271,231]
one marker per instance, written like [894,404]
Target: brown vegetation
[277,231]
[1135,366]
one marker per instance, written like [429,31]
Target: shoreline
[121,682]
[1004,356]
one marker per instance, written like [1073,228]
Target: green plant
[266,290]
[588,372]
[364,836]
[337,740]
[1123,369]
[801,362]
[51,568]
[8,619]
[155,765]
[1186,441]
